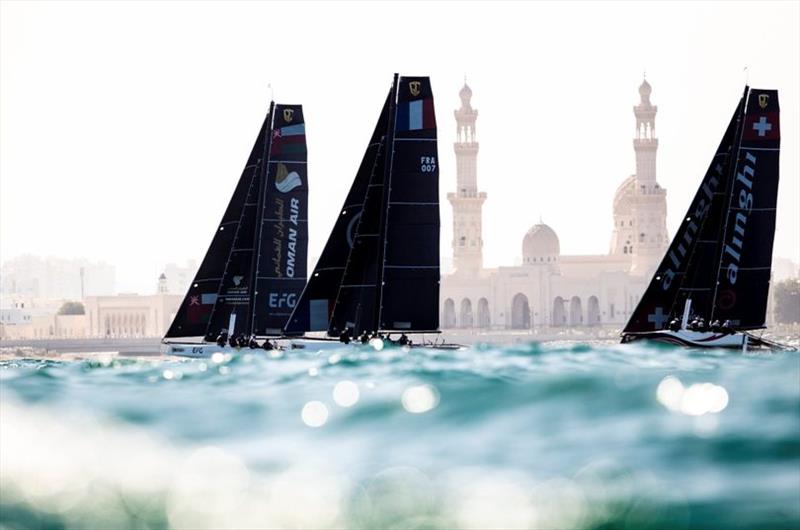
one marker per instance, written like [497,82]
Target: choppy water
[533,436]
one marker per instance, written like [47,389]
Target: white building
[550,289]
[56,278]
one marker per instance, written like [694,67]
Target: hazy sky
[124,126]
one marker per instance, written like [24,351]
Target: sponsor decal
[689,232]
[284,266]
[763,100]
[285,180]
[413,87]
[237,280]
[726,299]
[288,115]
[743,194]
[281,300]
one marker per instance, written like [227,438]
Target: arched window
[520,312]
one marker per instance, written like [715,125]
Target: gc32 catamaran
[711,287]
[255,267]
[379,271]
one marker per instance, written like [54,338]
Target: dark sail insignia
[749,223]
[282,244]
[411,232]
[688,268]
[192,318]
[314,308]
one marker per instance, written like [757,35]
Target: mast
[262,197]
[387,189]
[737,147]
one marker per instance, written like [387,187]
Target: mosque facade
[551,290]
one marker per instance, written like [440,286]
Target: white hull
[206,349]
[696,339]
[198,350]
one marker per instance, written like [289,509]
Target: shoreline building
[550,289]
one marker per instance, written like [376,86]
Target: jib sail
[314,309]
[194,314]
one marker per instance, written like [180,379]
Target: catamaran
[379,271]
[711,287]
[255,268]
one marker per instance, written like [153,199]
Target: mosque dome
[540,245]
[623,198]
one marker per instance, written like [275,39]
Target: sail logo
[288,115]
[237,280]
[351,229]
[763,100]
[678,254]
[282,300]
[744,198]
[294,219]
[285,180]
[413,87]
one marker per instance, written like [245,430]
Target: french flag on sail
[416,115]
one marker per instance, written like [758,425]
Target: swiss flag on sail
[762,126]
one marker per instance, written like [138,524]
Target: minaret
[162,284]
[467,201]
[649,205]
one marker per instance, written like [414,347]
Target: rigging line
[387,179]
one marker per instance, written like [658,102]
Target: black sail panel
[746,255]
[314,308]
[410,268]
[282,244]
[192,318]
[688,268]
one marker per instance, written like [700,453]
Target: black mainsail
[229,292]
[745,262]
[380,267]
[727,233]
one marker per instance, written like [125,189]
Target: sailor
[403,340]
[253,343]
[222,338]
[344,338]
[268,345]
[674,324]
[716,326]
[364,338]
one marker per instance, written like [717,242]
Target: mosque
[551,290]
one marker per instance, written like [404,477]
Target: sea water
[529,436]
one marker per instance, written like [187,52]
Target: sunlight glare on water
[566,436]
